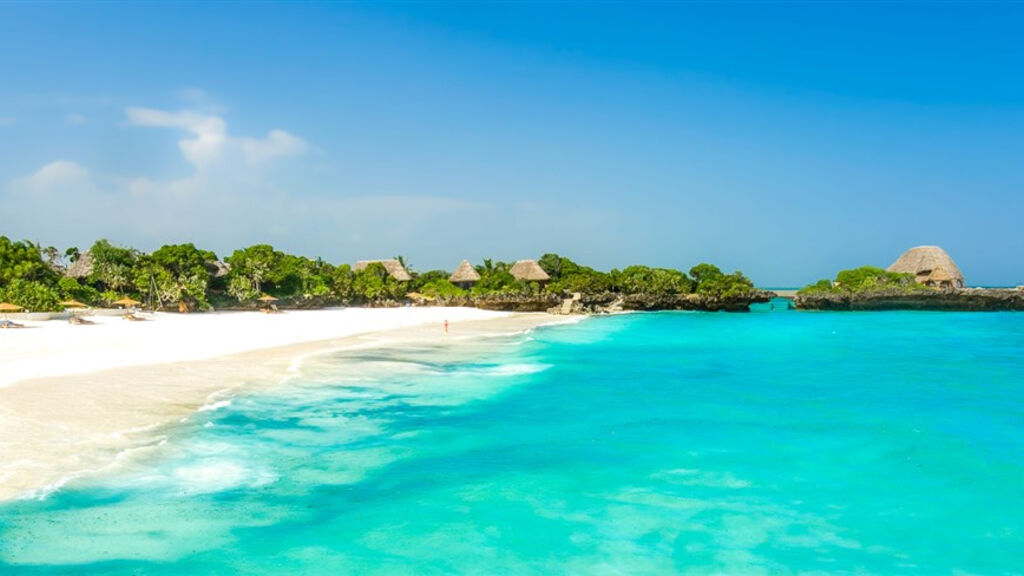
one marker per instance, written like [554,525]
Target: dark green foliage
[498,280]
[568,276]
[646,280]
[866,279]
[175,274]
[112,266]
[23,261]
[182,275]
[374,283]
[441,288]
[711,281]
[72,289]
[33,295]
[421,280]
[342,284]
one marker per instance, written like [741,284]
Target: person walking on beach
[446,326]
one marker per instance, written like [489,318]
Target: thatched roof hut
[930,266]
[80,268]
[394,268]
[218,268]
[529,270]
[465,274]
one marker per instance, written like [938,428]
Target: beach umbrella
[6,307]
[126,302]
[73,304]
[267,298]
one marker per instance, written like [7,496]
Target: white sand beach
[74,399]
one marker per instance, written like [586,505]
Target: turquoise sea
[771,442]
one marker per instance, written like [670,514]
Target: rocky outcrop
[514,302]
[971,299]
[611,302]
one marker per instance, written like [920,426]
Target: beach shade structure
[268,303]
[464,276]
[75,306]
[529,271]
[126,302]
[930,266]
[5,308]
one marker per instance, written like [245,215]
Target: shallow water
[769,442]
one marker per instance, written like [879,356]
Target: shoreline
[959,300]
[67,425]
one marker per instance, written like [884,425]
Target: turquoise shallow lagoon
[769,442]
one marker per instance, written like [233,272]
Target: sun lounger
[8,324]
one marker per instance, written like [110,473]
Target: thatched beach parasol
[6,307]
[126,302]
[530,271]
[73,304]
[268,302]
[930,266]
[465,275]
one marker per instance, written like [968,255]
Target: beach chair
[5,324]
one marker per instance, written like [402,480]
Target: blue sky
[788,140]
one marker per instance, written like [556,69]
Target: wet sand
[56,428]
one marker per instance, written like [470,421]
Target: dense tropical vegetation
[186,278]
[865,279]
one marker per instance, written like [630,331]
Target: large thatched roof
[394,268]
[929,264]
[464,274]
[529,270]
[81,267]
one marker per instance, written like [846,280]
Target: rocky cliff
[610,302]
[972,299]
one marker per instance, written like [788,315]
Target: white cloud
[53,177]
[277,143]
[77,119]
[210,140]
[237,194]
[210,132]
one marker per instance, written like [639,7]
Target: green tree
[23,261]
[113,267]
[441,288]
[32,295]
[72,289]
[370,283]
[249,269]
[647,280]
[866,279]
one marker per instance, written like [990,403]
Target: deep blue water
[769,442]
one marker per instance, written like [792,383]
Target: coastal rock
[611,302]
[970,299]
